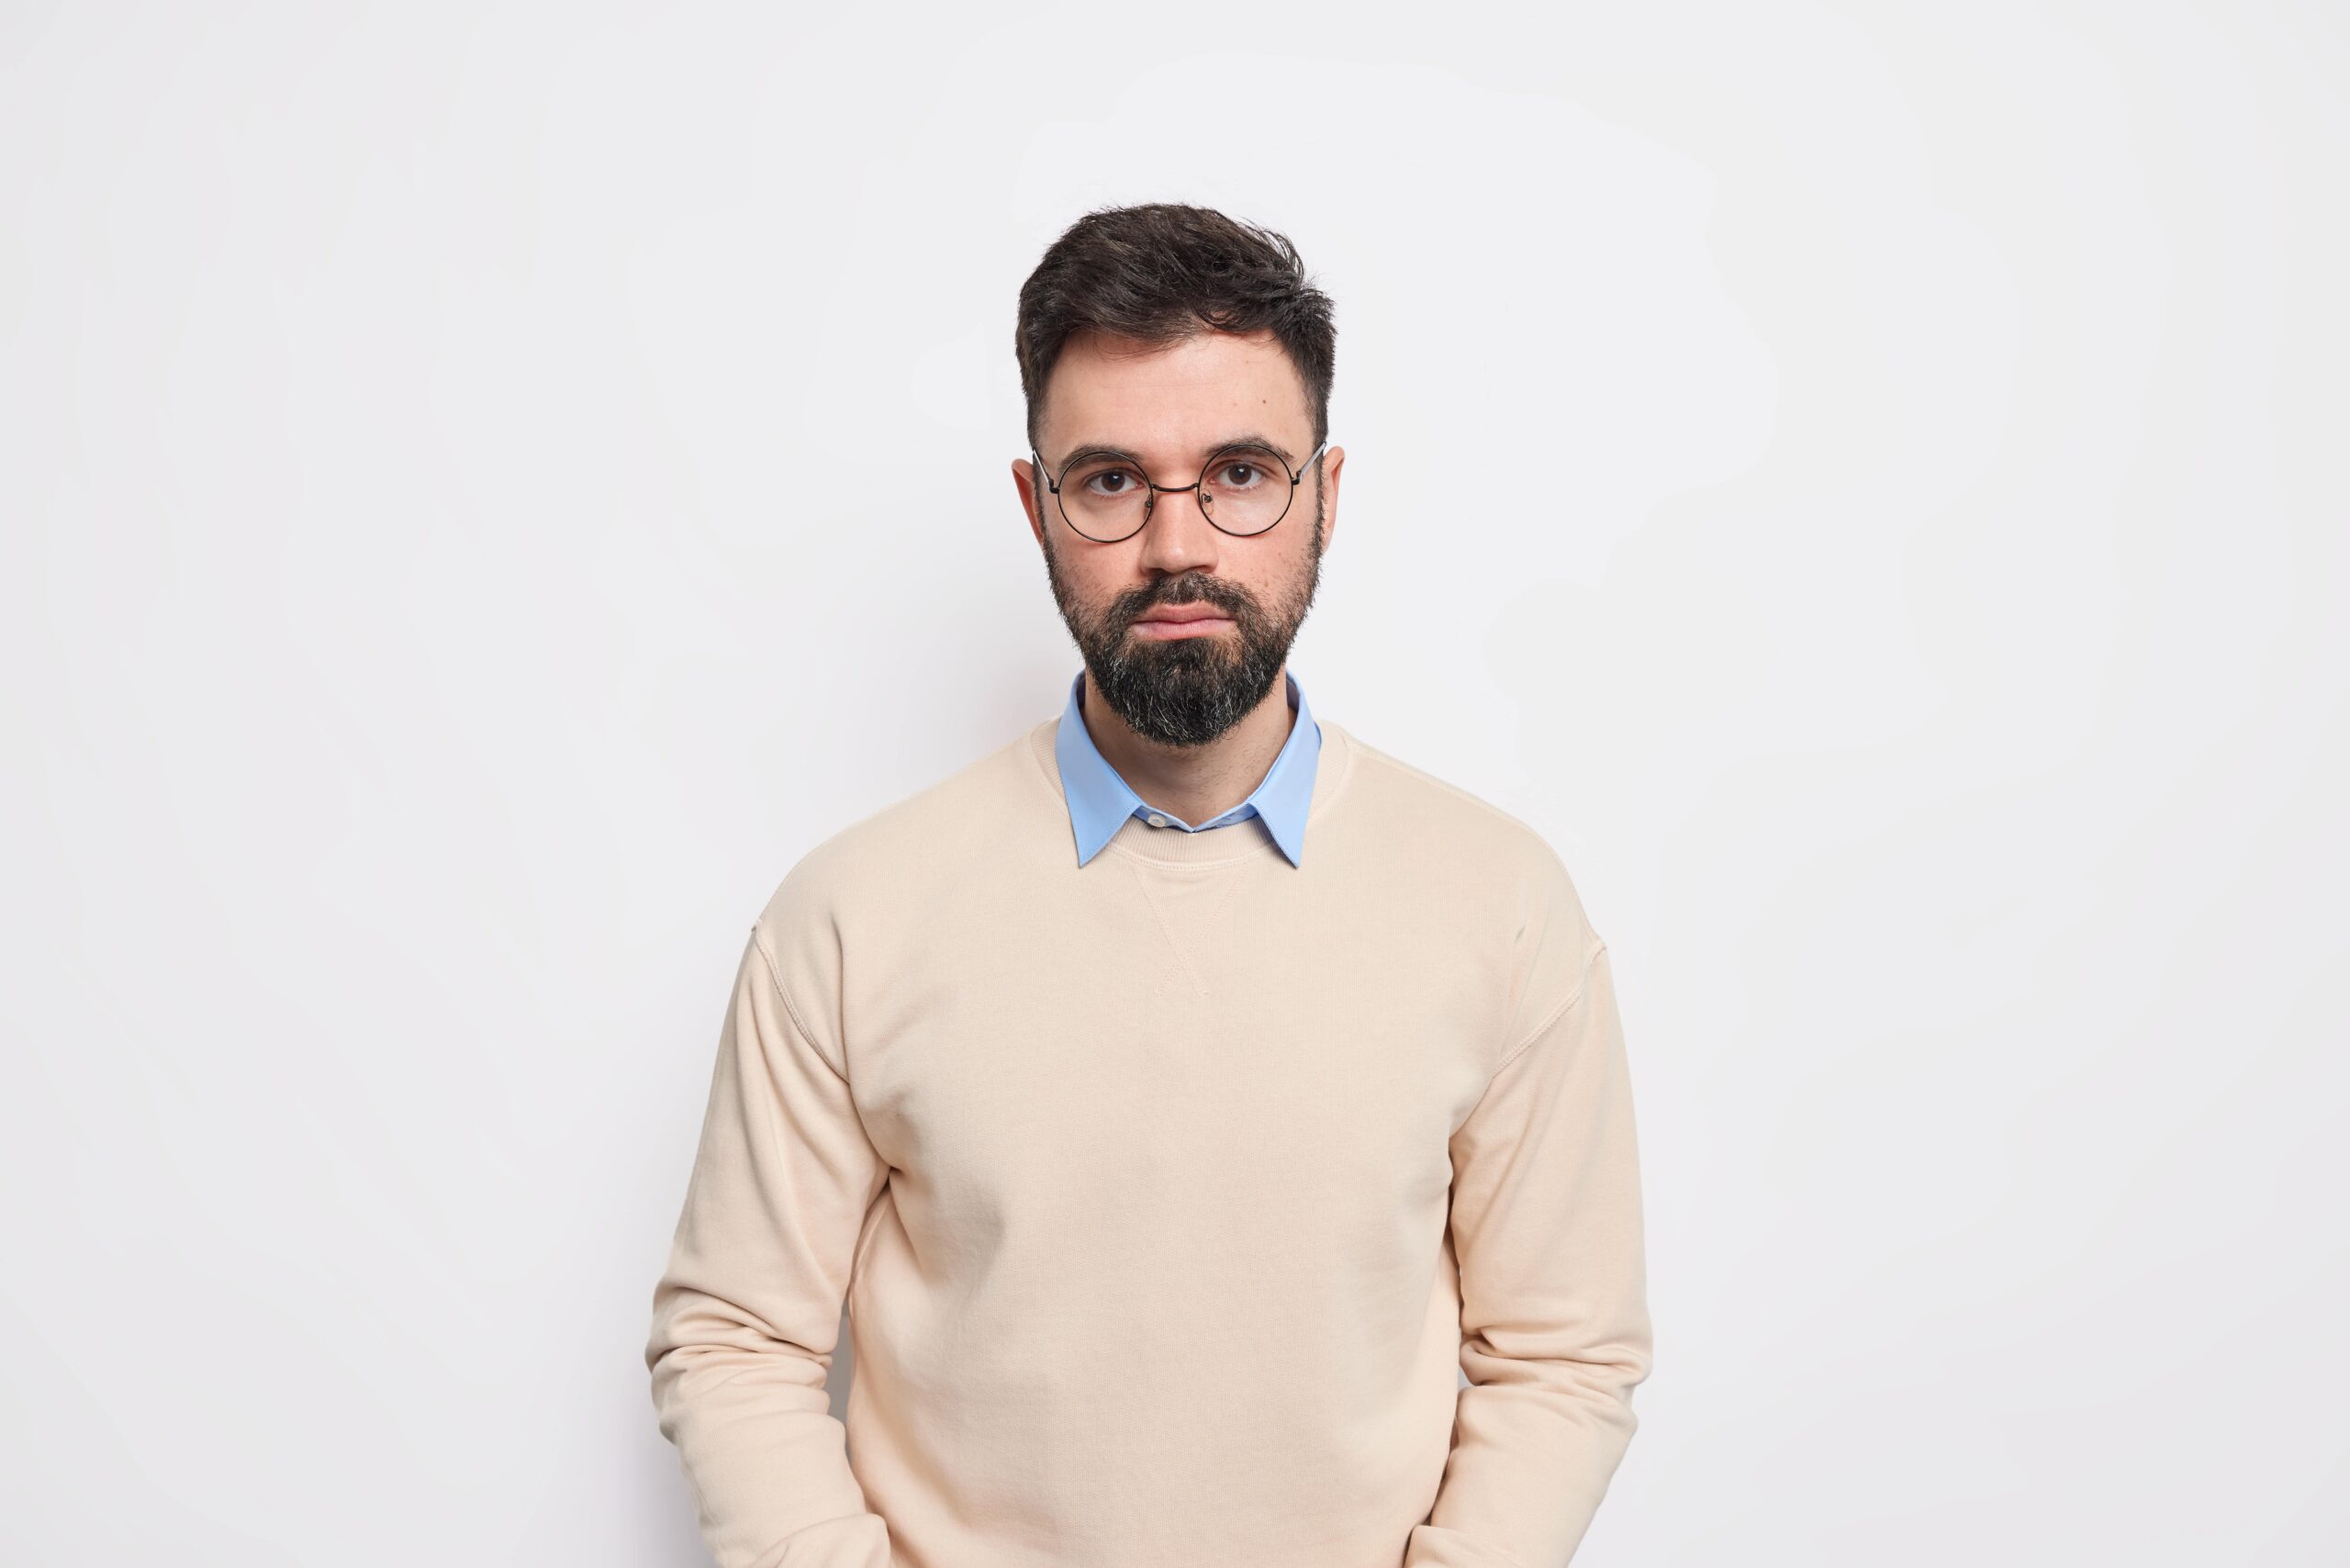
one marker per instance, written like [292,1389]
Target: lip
[1180,620]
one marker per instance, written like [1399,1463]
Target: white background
[487,487]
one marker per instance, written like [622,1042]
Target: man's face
[1171,407]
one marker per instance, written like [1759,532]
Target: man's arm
[746,1316]
[1547,1229]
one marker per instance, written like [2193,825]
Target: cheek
[1276,575]
[1092,583]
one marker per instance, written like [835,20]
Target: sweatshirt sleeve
[746,1315]
[1546,1230]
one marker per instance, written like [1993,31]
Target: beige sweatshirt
[1170,1195]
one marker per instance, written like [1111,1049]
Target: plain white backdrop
[484,487]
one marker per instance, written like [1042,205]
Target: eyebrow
[1122,454]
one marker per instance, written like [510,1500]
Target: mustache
[1193,591]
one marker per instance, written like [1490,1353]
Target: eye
[1110,483]
[1240,473]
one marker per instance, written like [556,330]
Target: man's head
[1168,332]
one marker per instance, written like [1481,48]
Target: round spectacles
[1243,489]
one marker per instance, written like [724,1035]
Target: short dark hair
[1162,271]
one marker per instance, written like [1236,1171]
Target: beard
[1186,691]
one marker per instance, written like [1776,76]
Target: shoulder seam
[790,1008]
[1583,983]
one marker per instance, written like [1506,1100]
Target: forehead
[1173,401]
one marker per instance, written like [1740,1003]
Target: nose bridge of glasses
[1151,514]
[1197,489]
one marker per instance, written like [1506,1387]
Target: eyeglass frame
[1154,490]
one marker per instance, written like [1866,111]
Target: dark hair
[1161,272]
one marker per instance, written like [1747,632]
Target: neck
[1197,783]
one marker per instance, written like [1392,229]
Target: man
[1184,1095]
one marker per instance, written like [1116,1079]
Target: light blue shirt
[1099,800]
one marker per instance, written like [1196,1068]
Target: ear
[1024,479]
[1332,462]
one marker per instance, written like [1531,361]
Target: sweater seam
[1271,846]
[790,1008]
[1582,984]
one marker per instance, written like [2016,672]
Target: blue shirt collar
[1099,800]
